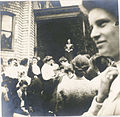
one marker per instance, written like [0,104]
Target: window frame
[13,30]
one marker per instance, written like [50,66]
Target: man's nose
[95,33]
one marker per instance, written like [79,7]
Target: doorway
[52,35]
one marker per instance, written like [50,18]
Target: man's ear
[117,23]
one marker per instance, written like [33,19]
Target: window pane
[6,40]
[7,23]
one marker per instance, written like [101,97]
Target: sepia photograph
[59,58]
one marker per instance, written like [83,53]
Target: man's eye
[102,23]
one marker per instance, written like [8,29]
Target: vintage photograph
[60,58]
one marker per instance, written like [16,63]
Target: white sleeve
[94,108]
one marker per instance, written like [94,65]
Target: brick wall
[23,42]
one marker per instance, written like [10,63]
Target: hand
[107,77]
[5,94]
[6,97]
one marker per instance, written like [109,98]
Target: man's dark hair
[109,5]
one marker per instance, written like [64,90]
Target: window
[6,30]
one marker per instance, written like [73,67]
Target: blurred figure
[34,70]
[64,62]
[4,91]
[50,74]
[70,73]
[22,94]
[49,67]
[40,62]
[80,65]
[10,80]
[69,50]
[36,87]
[2,68]
[24,64]
[23,76]
[100,63]
[75,92]
[12,66]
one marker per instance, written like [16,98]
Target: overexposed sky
[70,2]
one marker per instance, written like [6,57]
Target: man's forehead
[97,14]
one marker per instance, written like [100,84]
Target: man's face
[104,32]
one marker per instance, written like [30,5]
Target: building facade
[39,29]
[21,25]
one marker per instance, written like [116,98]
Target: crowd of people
[45,86]
[35,86]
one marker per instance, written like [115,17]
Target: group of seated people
[30,86]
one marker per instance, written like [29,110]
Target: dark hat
[109,5]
